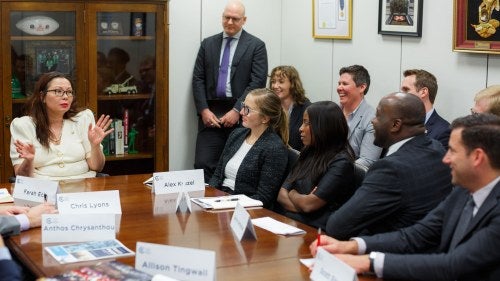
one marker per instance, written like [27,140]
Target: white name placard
[176,262]
[77,227]
[241,224]
[329,268]
[30,192]
[178,181]
[96,202]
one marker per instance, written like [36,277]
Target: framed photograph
[476,26]
[332,19]
[50,56]
[400,17]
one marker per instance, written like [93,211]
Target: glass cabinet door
[41,38]
[125,65]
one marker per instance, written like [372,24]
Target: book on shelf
[88,251]
[109,271]
[226,202]
[119,141]
[112,140]
[125,129]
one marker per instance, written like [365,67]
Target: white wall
[286,27]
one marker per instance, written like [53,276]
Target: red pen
[319,235]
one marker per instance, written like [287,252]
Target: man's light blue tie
[463,222]
[223,70]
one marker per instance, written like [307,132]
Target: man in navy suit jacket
[9,270]
[424,85]
[247,71]
[406,184]
[430,249]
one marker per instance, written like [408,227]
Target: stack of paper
[226,202]
[277,227]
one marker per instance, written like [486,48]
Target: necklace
[57,140]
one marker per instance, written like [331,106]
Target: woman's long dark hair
[329,132]
[37,109]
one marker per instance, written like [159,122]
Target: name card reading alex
[329,268]
[77,227]
[178,181]
[97,202]
[32,191]
[176,262]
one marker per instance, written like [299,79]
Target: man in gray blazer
[458,240]
[353,85]
[424,85]
[218,102]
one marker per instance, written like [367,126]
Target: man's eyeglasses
[227,18]
[247,109]
[60,92]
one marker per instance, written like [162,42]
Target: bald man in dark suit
[218,107]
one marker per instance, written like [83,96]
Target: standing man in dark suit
[424,85]
[402,187]
[218,103]
[459,240]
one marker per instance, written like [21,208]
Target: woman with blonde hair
[254,159]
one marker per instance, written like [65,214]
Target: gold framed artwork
[476,26]
[332,19]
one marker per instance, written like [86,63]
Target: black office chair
[359,174]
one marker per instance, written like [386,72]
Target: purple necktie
[223,70]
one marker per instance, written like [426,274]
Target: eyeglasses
[60,93]
[247,109]
[227,18]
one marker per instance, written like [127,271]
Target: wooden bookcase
[99,44]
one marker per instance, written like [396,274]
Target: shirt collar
[351,115]
[428,115]
[395,146]
[236,36]
[480,195]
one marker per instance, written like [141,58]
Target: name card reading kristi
[176,262]
[178,181]
[30,192]
[327,268]
[96,202]
[77,227]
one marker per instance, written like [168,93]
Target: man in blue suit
[218,102]
[406,184]
[424,85]
[458,240]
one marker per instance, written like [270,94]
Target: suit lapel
[430,122]
[216,49]
[240,51]
[357,118]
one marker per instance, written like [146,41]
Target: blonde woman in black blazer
[254,159]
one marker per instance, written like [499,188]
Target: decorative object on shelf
[475,26]
[16,88]
[138,24]
[332,19]
[121,88]
[51,56]
[400,17]
[37,25]
[109,25]
[131,140]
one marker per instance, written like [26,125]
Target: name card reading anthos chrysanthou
[329,268]
[176,262]
[77,227]
[33,191]
[178,181]
[96,202]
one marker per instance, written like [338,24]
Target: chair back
[359,174]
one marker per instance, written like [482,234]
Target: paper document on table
[87,251]
[277,227]
[226,202]
[5,196]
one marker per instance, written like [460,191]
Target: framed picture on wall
[476,26]
[50,56]
[400,17]
[332,19]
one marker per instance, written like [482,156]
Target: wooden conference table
[151,218]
